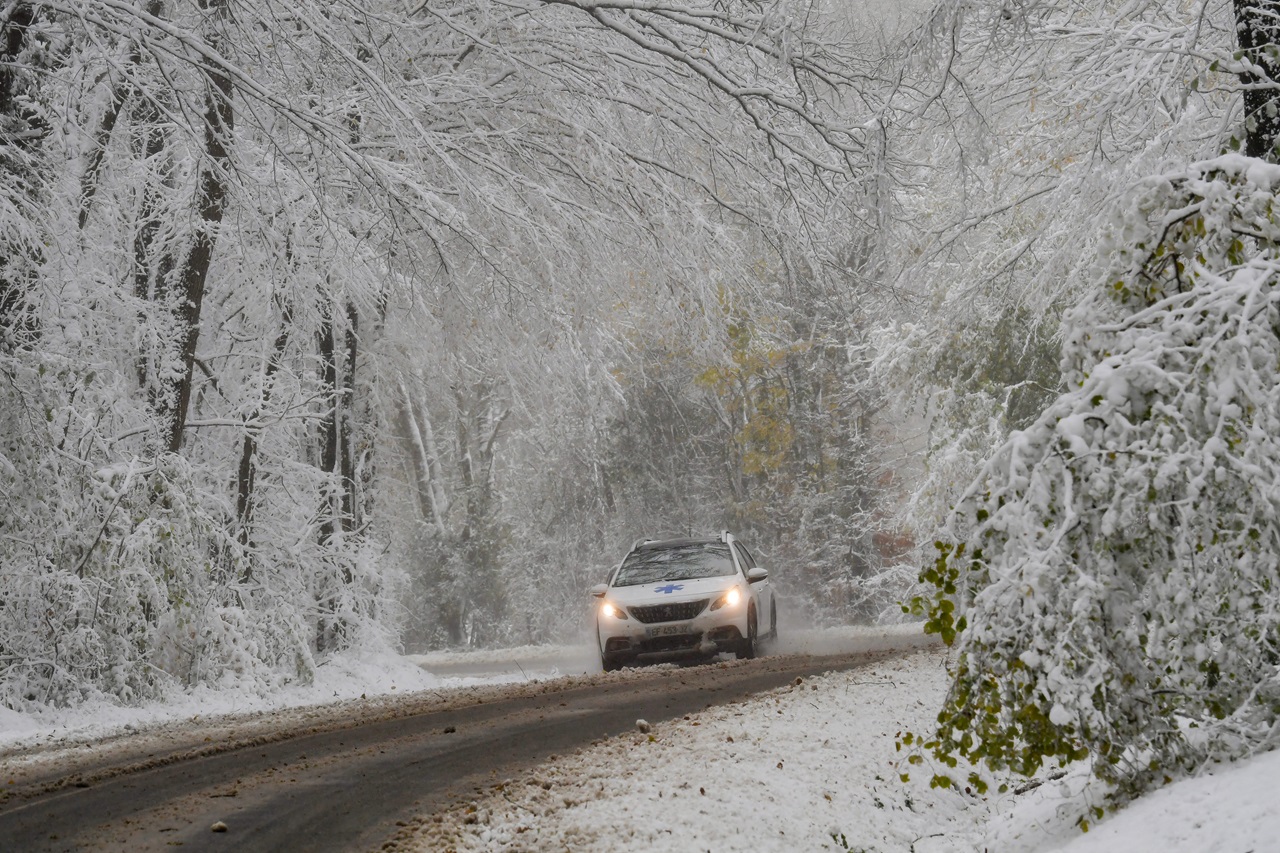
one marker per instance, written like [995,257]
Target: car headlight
[731,598]
[613,611]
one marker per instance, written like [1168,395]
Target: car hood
[670,591]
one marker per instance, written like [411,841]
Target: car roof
[660,544]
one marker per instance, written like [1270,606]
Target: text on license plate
[666,630]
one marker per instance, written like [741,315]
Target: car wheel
[747,650]
[608,663]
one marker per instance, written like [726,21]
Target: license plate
[666,630]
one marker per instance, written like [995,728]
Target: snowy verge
[808,767]
[362,677]
[813,766]
[343,678]
[1228,809]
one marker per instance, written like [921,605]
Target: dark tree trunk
[1258,33]
[342,427]
[350,427]
[336,459]
[247,472]
[106,127]
[219,121]
[346,446]
[22,133]
[330,434]
[13,27]
[329,628]
[150,278]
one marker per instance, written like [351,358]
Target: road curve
[341,784]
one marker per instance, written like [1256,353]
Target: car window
[683,562]
[744,557]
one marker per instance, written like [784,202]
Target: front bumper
[708,633]
[673,647]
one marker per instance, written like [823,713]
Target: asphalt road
[341,785]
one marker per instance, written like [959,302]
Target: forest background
[326,325]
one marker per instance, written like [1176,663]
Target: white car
[679,598]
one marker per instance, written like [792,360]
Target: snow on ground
[814,767]
[357,675]
[501,666]
[1230,810]
[809,767]
[344,678]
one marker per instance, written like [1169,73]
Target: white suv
[677,598]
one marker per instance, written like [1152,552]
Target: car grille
[651,613]
[675,643]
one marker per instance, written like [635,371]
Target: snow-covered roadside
[369,679]
[342,679]
[368,675]
[813,767]
[807,767]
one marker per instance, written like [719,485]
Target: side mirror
[599,590]
[756,575]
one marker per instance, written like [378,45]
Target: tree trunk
[22,133]
[247,472]
[219,122]
[350,427]
[150,281]
[347,442]
[330,433]
[410,433]
[336,459]
[1258,29]
[106,127]
[13,28]
[425,463]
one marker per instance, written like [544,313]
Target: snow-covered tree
[1256,64]
[1113,575]
[1030,120]
[225,226]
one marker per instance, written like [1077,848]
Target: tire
[608,663]
[747,649]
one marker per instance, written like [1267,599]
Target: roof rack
[724,536]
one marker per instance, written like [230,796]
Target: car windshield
[677,563]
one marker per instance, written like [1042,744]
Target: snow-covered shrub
[1113,575]
[121,575]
